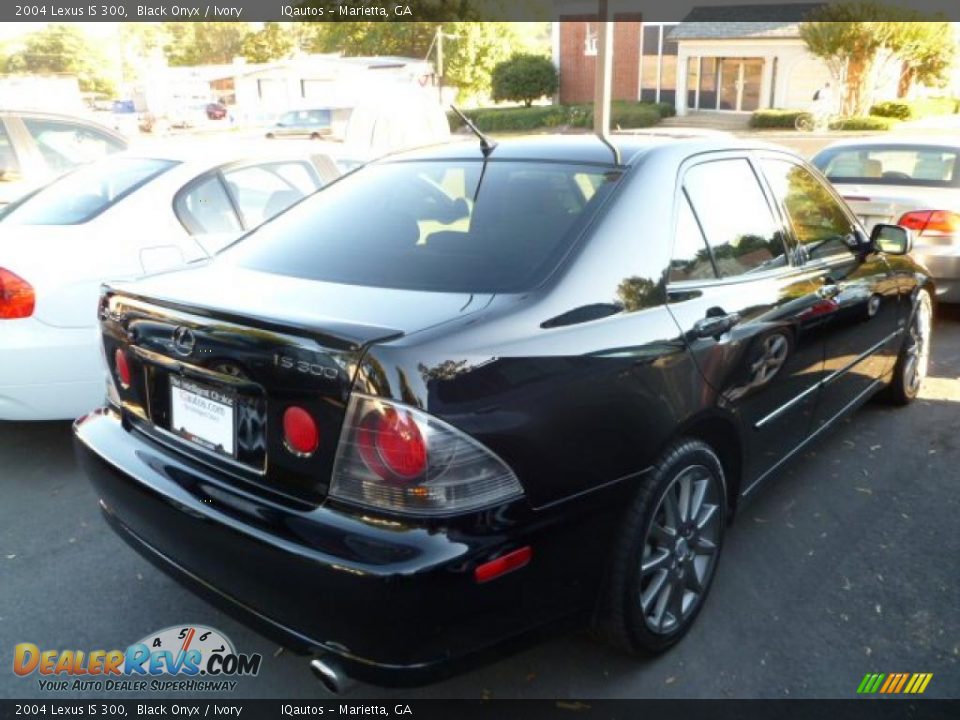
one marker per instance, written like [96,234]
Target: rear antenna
[486,144]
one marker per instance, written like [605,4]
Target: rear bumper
[943,262]
[396,604]
[49,373]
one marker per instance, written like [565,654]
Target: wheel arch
[721,431]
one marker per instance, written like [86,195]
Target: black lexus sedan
[469,395]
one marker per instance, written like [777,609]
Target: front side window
[448,226]
[85,193]
[735,217]
[66,145]
[819,222]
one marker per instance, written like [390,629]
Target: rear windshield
[449,226]
[923,166]
[85,193]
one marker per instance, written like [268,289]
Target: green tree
[272,42]
[852,38]
[524,78]
[206,43]
[927,51]
[62,49]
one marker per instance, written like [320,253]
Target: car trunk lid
[217,358]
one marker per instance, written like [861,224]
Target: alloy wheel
[680,549]
[918,349]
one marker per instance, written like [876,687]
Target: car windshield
[85,193]
[920,165]
[451,226]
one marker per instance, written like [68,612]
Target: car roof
[199,155]
[584,148]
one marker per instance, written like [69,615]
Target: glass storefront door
[730,84]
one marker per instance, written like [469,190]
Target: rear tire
[666,551]
[804,122]
[914,357]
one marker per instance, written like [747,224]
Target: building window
[658,63]
[590,39]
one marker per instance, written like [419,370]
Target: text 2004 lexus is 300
[474,392]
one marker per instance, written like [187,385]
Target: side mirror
[891,239]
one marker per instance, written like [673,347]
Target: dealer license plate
[203,415]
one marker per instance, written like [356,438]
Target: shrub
[524,119]
[775,118]
[524,78]
[898,109]
[913,109]
[864,122]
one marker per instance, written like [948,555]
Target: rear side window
[451,226]
[82,195]
[691,256]
[923,166]
[735,216]
[262,191]
[205,208]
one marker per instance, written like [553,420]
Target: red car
[216,111]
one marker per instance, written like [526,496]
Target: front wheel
[666,552]
[914,357]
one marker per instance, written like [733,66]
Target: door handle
[828,291]
[714,325]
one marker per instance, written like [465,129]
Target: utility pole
[604,71]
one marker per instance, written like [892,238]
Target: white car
[120,218]
[908,181]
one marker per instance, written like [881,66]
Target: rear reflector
[122,364]
[17,298]
[300,432]
[502,565]
[931,222]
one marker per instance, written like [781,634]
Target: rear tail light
[300,432]
[398,458]
[122,366]
[931,222]
[17,298]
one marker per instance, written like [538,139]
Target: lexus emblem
[184,341]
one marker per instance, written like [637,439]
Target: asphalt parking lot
[847,563]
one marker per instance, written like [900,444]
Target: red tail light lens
[399,458]
[17,298]
[931,222]
[300,432]
[392,445]
[122,364]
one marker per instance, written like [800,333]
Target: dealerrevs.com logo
[180,658]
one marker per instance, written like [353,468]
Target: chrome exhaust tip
[330,675]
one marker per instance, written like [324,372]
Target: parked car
[914,182]
[37,147]
[123,217]
[216,111]
[310,123]
[527,385]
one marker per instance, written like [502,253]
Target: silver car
[37,147]
[913,182]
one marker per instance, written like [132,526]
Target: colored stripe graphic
[894,683]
